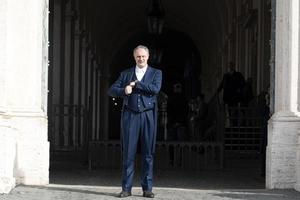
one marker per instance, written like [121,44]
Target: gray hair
[141,47]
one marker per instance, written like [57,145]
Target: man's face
[141,57]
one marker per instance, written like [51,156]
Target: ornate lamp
[155,16]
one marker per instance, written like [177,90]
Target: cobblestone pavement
[80,184]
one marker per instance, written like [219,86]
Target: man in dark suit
[232,84]
[139,87]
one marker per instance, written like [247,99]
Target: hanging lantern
[155,17]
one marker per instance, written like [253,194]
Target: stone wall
[297,186]
[24,149]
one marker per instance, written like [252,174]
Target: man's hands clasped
[128,88]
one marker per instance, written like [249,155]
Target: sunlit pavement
[80,184]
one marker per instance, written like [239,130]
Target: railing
[243,129]
[67,127]
[168,155]
[215,120]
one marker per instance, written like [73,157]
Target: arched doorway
[218,32]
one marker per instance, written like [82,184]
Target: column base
[32,167]
[7,156]
[32,158]
[24,151]
[297,185]
[281,157]
[6,184]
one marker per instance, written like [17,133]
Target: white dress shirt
[140,72]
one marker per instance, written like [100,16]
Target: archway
[92,52]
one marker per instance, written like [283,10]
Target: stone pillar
[94,97]
[24,149]
[98,102]
[260,50]
[77,82]
[7,133]
[104,86]
[7,154]
[57,46]
[297,186]
[284,125]
[69,72]
[104,98]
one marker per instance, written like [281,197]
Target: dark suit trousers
[135,125]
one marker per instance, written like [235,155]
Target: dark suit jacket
[149,88]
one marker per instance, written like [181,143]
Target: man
[139,87]
[232,85]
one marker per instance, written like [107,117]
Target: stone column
[297,186]
[7,133]
[24,148]
[69,72]
[54,79]
[285,123]
[94,97]
[7,154]
[82,92]
[77,81]
[98,103]
[104,86]
[260,44]
[77,72]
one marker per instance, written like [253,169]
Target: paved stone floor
[78,192]
[79,184]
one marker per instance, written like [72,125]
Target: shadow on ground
[233,178]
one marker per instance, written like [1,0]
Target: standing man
[232,84]
[139,87]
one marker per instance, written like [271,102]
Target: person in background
[232,85]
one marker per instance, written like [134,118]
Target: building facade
[261,37]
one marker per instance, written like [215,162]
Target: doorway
[88,51]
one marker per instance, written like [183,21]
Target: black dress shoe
[148,194]
[124,194]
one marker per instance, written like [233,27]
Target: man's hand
[132,84]
[128,89]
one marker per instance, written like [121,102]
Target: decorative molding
[22,113]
